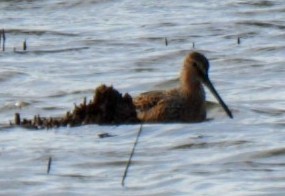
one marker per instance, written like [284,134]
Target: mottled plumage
[185,103]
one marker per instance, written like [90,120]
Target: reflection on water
[74,46]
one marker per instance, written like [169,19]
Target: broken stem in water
[49,165]
[4,39]
[130,158]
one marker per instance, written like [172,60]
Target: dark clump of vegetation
[108,107]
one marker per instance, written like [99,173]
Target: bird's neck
[190,83]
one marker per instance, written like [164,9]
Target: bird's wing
[165,109]
[146,101]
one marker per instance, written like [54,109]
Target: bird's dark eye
[199,69]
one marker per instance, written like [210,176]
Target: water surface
[74,46]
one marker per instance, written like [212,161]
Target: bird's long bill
[215,93]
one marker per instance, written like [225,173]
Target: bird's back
[171,106]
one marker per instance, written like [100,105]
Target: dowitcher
[183,104]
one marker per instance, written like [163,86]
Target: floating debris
[104,135]
[107,107]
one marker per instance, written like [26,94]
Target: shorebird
[185,103]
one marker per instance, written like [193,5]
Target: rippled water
[74,46]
